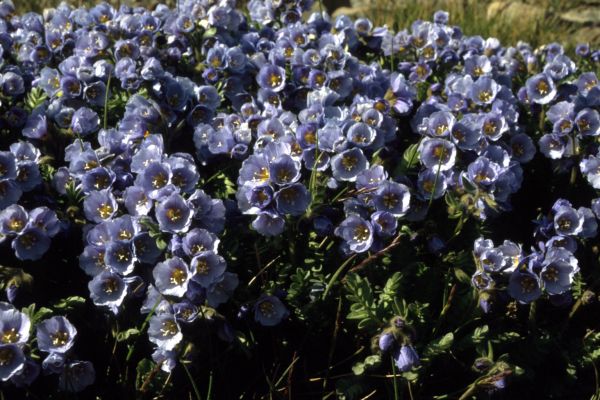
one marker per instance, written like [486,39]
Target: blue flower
[431,184]
[269,311]
[392,197]
[55,335]
[120,257]
[221,291]
[361,134]
[171,277]
[76,376]
[284,170]
[386,341]
[483,172]
[271,77]
[406,358]
[100,205]
[12,361]
[437,154]
[14,327]
[108,289]
[553,145]
[540,89]
[173,214]
[198,240]
[27,375]
[167,359]
[136,201]
[348,164]
[587,122]
[85,121]
[384,223]
[522,148]
[268,223]
[484,90]
[12,84]
[559,267]
[293,199]
[54,363]
[10,192]
[356,232]
[524,286]
[440,124]
[13,219]
[8,165]
[31,243]
[164,331]
[207,268]
[567,221]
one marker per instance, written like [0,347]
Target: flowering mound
[313,206]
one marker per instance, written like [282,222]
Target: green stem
[337,274]
[437,176]
[210,383]
[191,378]
[396,394]
[143,327]
[106,100]
[471,390]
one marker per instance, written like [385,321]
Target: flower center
[60,338]
[169,328]
[178,276]
[349,162]
[174,214]
[275,80]
[361,233]
[110,286]
[267,309]
[485,96]
[6,357]
[10,336]
[202,268]
[105,210]
[542,87]
[159,180]
[262,175]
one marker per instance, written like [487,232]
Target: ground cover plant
[217,202]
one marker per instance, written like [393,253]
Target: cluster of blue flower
[297,108]
[551,267]
[54,336]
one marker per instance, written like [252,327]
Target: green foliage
[37,315]
[410,159]
[365,308]
[35,98]
[68,304]
[439,346]
[370,362]
[149,378]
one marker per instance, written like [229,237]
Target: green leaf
[362,302]
[143,370]
[69,303]
[161,244]
[410,159]
[36,315]
[390,290]
[358,368]
[35,98]
[480,333]
[126,335]
[462,276]
[373,360]
[439,347]
[352,388]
